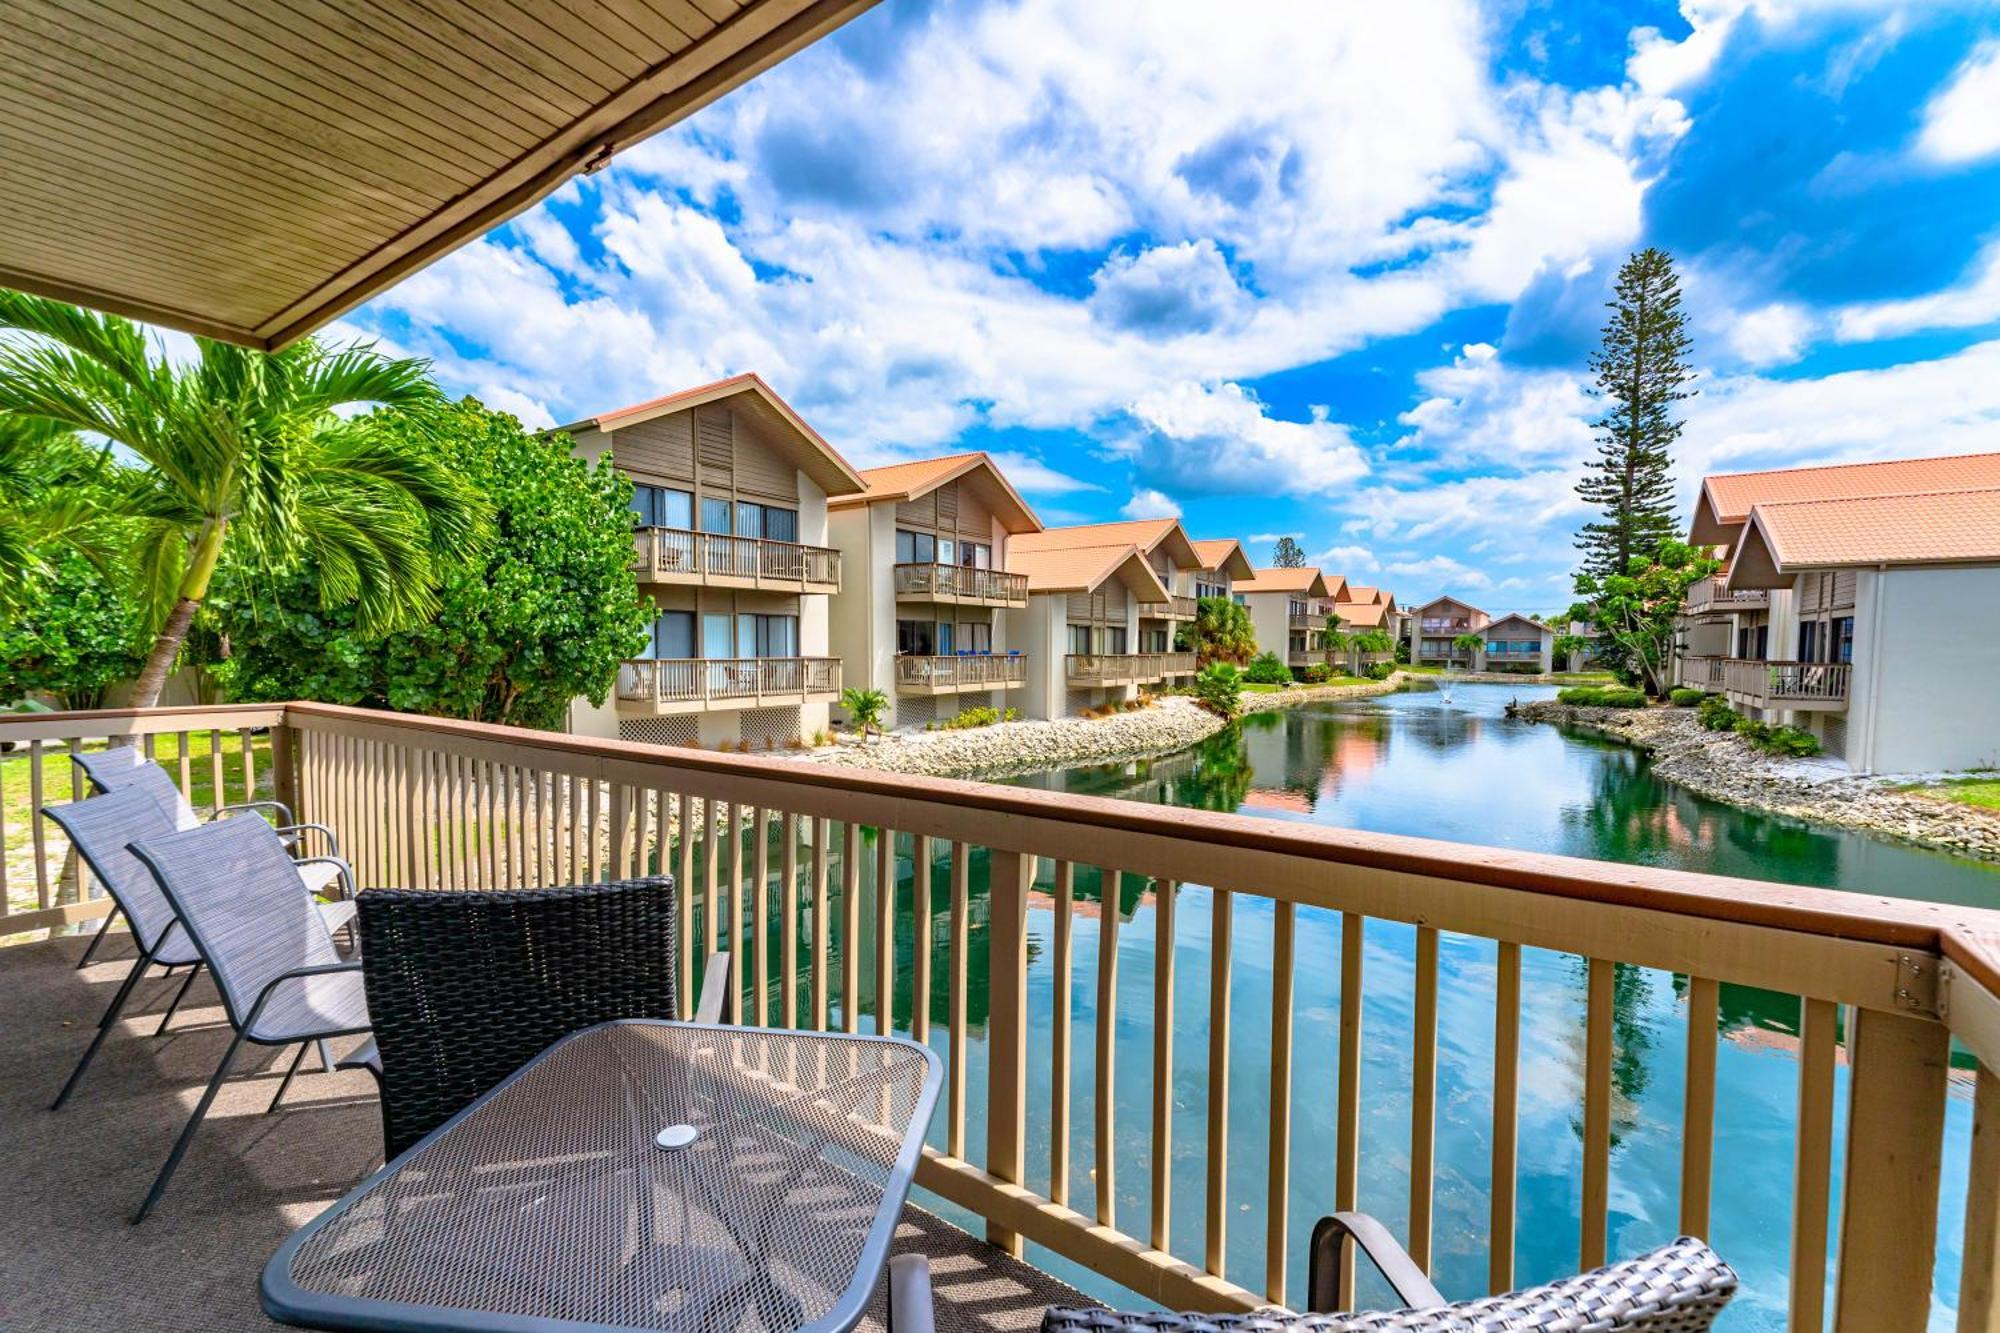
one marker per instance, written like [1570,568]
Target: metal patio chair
[466,987]
[235,892]
[102,829]
[127,766]
[1678,1288]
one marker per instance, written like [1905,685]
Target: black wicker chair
[466,987]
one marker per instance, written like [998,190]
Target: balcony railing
[961,583]
[1701,673]
[1706,597]
[444,805]
[677,555]
[1126,668]
[1174,608]
[1795,685]
[660,681]
[951,675]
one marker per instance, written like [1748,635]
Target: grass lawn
[1421,670]
[61,780]
[1981,789]
[1583,677]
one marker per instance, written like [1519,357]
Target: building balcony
[660,685]
[917,675]
[1707,597]
[677,557]
[1884,1078]
[1174,608]
[1700,673]
[960,585]
[1126,668]
[1799,686]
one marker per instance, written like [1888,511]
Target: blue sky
[1306,268]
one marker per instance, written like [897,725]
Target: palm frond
[112,341]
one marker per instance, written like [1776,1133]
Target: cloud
[1032,475]
[1775,335]
[1962,123]
[1273,537]
[1168,290]
[1971,303]
[1218,439]
[1345,558]
[1150,504]
[1479,410]
[1438,571]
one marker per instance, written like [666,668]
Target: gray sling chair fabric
[273,958]
[127,766]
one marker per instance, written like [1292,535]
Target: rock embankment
[1723,767]
[1006,749]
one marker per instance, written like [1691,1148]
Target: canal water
[1452,766]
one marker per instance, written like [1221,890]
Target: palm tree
[251,456]
[1222,632]
[864,708]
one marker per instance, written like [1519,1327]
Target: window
[718,635]
[662,507]
[767,521]
[767,636]
[916,638]
[1238,599]
[975,637]
[1812,643]
[1153,641]
[1204,588]
[975,555]
[1114,639]
[1079,638]
[673,634]
[1843,639]
[915,548]
[715,514]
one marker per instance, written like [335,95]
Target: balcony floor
[72,1261]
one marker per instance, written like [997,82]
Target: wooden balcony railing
[1174,608]
[946,674]
[961,583]
[1799,685]
[1126,668]
[820,938]
[688,680]
[678,555]
[1708,597]
[1701,673]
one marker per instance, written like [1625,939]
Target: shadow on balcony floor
[72,1263]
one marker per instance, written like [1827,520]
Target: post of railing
[1889,1195]
[284,767]
[1008,877]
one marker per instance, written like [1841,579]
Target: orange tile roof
[1279,578]
[1732,495]
[1143,533]
[897,482]
[1936,527]
[1085,568]
[1358,593]
[1361,615]
[1217,554]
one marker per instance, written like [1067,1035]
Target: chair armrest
[297,973]
[911,1309]
[366,1056]
[714,990]
[346,870]
[284,811]
[291,834]
[1325,1293]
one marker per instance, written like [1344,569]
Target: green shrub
[1715,714]
[1319,673]
[1687,697]
[1219,689]
[1602,696]
[1791,742]
[1268,669]
[971,717]
[1750,729]
[1379,670]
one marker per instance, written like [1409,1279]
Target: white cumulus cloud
[1962,123]
[1148,503]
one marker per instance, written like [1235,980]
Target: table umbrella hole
[676,1136]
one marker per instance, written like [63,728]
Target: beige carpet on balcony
[69,1261]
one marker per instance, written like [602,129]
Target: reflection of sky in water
[1461,771]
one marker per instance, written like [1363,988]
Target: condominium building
[1516,642]
[1434,629]
[1289,608]
[1847,606]
[920,617]
[730,549]
[1365,610]
[1223,563]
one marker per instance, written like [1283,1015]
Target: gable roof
[810,451]
[1225,554]
[1088,568]
[1147,534]
[1280,578]
[1357,592]
[1926,528]
[899,482]
[1516,618]
[1726,499]
[1448,600]
[1361,615]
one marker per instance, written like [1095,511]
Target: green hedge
[1715,714]
[1268,669]
[1687,696]
[1602,696]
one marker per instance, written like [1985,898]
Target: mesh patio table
[636,1175]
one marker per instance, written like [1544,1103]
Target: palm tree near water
[241,455]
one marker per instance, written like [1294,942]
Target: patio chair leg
[104,1026]
[187,1134]
[97,939]
[297,1060]
[179,995]
[325,1057]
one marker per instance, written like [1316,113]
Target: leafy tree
[1288,554]
[1567,646]
[538,609]
[71,635]
[1469,642]
[49,484]
[1640,368]
[1220,632]
[1268,669]
[1636,611]
[244,457]
[1373,641]
[1219,689]
[864,708]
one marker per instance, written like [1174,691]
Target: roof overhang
[1754,563]
[1710,527]
[249,169]
[977,470]
[1233,561]
[1515,618]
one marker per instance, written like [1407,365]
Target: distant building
[1516,643]
[1289,609]
[1434,628]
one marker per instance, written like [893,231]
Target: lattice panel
[1834,739]
[1078,700]
[683,729]
[983,699]
[916,710]
[762,727]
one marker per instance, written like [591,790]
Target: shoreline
[1723,767]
